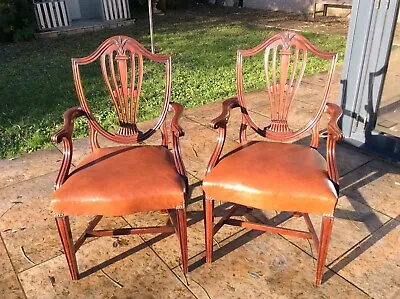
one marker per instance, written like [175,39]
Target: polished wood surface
[121,65]
[285,61]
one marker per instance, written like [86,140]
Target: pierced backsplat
[121,61]
[285,60]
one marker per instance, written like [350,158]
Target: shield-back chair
[128,178]
[275,174]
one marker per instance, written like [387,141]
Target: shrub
[17,20]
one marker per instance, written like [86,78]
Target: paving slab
[9,284]
[137,273]
[29,224]
[299,115]
[206,113]
[29,166]
[5,263]
[81,148]
[319,79]
[374,265]
[353,223]
[251,264]
[167,245]
[347,157]
[376,184]
[363,259]
[197,147]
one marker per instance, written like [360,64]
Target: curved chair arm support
[69,117]
[64,135]
[220,123]
[176,129]
[177,132]
[223,118]
[334,135]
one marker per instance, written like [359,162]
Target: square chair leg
[326,230]
[64,230]
[209,228]
[182,233]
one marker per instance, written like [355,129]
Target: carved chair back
[285,60]
[121,62]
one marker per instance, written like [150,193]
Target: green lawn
[36,84]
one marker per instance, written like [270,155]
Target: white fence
[51,14]
[116,9]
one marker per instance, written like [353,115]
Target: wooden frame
[325,7]
[281,94]
[117,51]
[51,14]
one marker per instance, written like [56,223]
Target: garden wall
[295,6]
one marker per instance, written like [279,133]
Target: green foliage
[16,20]
[36,84]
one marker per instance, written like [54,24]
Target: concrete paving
[363,260]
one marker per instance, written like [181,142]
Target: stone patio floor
[363,258]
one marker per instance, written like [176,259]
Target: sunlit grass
[36,84]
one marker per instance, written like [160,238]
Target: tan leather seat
[119,181]
[277,176]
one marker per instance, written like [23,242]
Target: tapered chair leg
[326,230]
[182,231]
[64,230]
[209,226]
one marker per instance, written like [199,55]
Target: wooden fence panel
[116,9]
[51,14]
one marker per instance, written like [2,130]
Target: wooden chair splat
[277,175]
[124,179]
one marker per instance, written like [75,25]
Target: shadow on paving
[356,182]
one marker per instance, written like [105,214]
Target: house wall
[91,9]
[296,6]
[74,12]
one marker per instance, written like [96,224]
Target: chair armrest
[334,135]
[220,123]
[177,132]
[66,131]
[64,135]
[176,129]
[223,118]
[335,113]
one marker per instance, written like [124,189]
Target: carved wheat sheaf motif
[122,70]
[285,59]
[288,63]
[121,62]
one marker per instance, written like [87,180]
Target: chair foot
[209,226]
[326,230]
[297,214]
[182,231]
[64,230]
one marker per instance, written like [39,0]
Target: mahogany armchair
[275,174]
[125,179]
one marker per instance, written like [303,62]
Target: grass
[36,84]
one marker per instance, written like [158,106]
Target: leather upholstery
[273,176]
[121,180]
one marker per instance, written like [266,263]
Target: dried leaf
[254,275]
[25,256]
[52,281]
[194,152]
[120,242]
[112,280]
